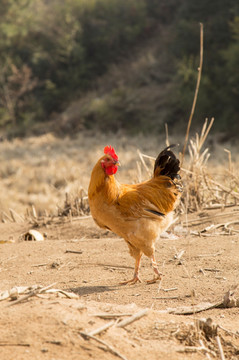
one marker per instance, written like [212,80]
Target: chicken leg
[156,270]
[136,277]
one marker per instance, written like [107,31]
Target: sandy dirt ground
[50,325]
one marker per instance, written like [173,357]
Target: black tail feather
[167,164]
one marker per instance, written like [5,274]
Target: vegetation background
[114,65]
[76,75]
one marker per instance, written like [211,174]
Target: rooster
[139,213]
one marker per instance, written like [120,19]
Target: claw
[154,280]
[133,281]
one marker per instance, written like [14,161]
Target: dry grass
[204,186]
[40,171]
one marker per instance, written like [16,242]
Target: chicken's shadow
[87,290]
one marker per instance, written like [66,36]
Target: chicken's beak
[117,163]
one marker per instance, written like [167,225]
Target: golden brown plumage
[139,213]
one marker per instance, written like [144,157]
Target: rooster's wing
[151,199]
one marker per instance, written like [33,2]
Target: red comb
[111,151]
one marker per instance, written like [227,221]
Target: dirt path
[48,326]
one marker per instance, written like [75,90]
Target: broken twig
[101,328]
[74,252]
[211,269]
[170,289]
[222,356]
[109,347]
[172,297]
[210,255]
[236,334]
[38,290]
[111,316]
[13,344]
[133,318]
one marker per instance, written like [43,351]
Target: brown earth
[48,326]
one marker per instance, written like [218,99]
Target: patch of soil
[48,326]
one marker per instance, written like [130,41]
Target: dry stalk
[196,188]
[109,347]
[4,214]
[139,172]
[236,334]
[14,344]
[170,289]
[229,160]
[195,94]
[206,349]
[210,255]
[172,297]
[193,349]
[201,190]
[141,156]
[74,252]
[111,316]
[206,219]
[166,135]
[75,205]
[39,265]
[35,292]
[101,328]
[34,213]
[230,229]
[15,215]
[133,318]
[221,352]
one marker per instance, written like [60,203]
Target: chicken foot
[156,270]
[136,277]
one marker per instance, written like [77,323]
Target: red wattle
[111,170]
